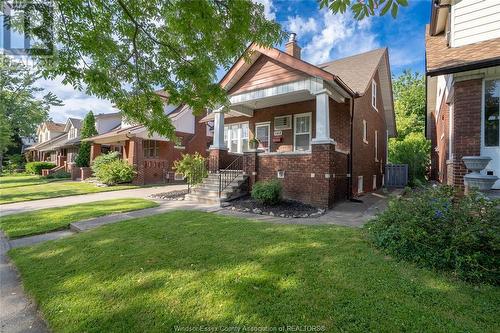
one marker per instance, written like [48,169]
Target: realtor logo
[29,24]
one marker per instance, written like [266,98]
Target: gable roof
[77,123]
[56,127]
[356,71]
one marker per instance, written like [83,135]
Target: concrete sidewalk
[144,192]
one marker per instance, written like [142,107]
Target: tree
[21,107]
[414,150]
[88,130]
[409,103]
[364,8]
[123,50]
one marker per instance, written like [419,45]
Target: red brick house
[463,86]
[153,156]
[316,125]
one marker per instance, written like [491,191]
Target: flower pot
[479,182]
[476,163]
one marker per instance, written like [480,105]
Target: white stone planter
[479,182]
[476,163]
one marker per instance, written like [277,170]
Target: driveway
[144,192]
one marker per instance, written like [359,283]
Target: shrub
[13,163]
[413,150]
[59,175]
[35,168]
[104,159]
[434,228]
[267,192]
[115,172]
[192,167]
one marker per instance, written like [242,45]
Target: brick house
[463,86]
[153,155]
[303,116]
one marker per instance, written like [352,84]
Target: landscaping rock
[286,208]
[257,211]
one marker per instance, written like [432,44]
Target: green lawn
[23,180]
[45,220]
[25,192]
[193,268]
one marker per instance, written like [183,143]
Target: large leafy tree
[88,130]
[364,8]
[22,107]
[124,50]
[409,102]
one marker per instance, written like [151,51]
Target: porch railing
[199,173]
[230,173]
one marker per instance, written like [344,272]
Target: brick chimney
[291,47]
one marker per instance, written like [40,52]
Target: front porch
[298,133]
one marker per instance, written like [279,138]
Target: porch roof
[123,134]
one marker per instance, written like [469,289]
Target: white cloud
[269,12]
[301,26]
[339,36]
[76,103]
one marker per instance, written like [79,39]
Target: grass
[45,220]
[192,268]
[16,191]
[23,180]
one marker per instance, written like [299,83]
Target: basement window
[360,184]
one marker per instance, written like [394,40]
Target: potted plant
[253,143]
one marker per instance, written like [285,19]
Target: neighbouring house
[321,129]
[153,155]
[46,133]
[463,86]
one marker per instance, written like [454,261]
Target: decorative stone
[271,213]
[282,215]
[257,211]
[305,215]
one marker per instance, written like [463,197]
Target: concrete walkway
[144,192]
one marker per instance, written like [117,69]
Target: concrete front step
[208,190]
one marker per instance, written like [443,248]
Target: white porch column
[322,118]
[218,129]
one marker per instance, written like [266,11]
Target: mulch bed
[172,195]
[287,208]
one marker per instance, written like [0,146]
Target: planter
[479,182]
[476,163]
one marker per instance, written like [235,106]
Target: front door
[490,143]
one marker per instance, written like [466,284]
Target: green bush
[267,192]
[35,168]
[413,150]
[59,175]
[115,172]
[192,167]
[104,159]
[434,228]
[13,163]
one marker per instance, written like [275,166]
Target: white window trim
[240,136]
[483,113]
[283,128]
[360,184]
[376,146]
[268,125]
[374,95]
[365,131]
[298,115]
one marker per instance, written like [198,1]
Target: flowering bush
[433,227]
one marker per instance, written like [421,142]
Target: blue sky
[322,36]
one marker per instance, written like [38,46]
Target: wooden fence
[396,175]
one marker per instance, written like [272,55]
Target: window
[236,137]
[282,122]
[365,131]
[374,94]
[492,113]
[302,132]
[376,146]
[360,184]
[151,149]
[263,136]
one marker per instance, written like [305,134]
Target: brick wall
[442,142]
[364,163]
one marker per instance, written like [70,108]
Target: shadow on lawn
[202,269]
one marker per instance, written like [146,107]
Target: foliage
[267,192]
[362,9]
[45,220]
[435,228]
[192,167]
[88,130]
[35,168]
[115,172]
[104,159]
[413,150]
[229,271]
[13,163]
[124,50]
[409,103]
[59,175]
[22,109]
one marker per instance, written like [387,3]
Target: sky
[322,36]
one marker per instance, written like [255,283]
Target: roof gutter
[467,67]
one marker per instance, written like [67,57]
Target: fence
[396,175]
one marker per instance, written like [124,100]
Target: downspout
[350,167]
